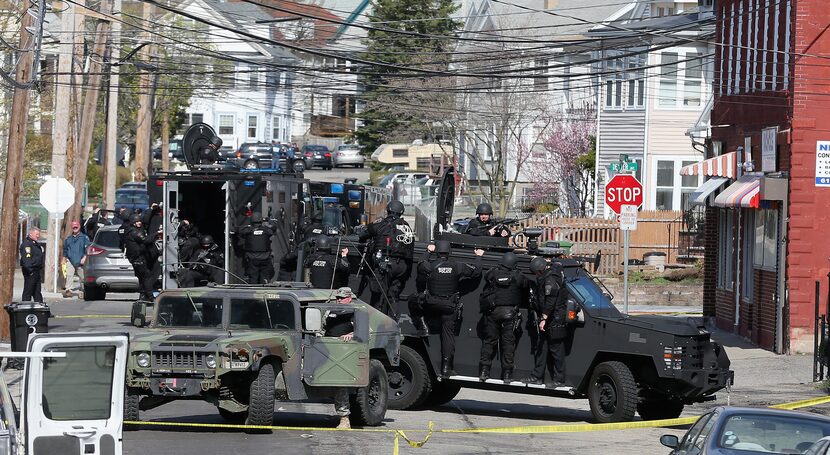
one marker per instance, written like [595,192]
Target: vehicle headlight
[210,361]
[143,360]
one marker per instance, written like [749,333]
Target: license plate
[240,365]
[117,261]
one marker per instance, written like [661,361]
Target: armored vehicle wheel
[233,417]
[442,392]
[299,166]
[612,393]
[261,402]
[369,403]
[655,409]
[409,382]
[131,409]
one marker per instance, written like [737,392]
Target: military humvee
[241,347]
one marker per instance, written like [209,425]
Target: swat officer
[207,263]
[187,239]
[31,263]
[551,285]
[483,224]
[315,228]
[328,268]
[391,248]
[137,242]
[259,261]
[442,300]
[504,290]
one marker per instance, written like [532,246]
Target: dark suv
[253,155]
[316,156]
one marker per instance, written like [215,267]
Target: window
[688,442]
[665,185]
[275,128]
[694,78]
[262,314]
[541,81]
[681,79]
[636,81]
[285,128]
[400,153]
[197,118]
[614,84]
[252,126]
[667,94]
[726,221]
[672,191]
[766,239]
[253,81]
[688,185]
[79,386]
[178,311]
[226,122]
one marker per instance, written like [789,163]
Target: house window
[400,153]
[226,124]
[665,185]
[285,128]
[726,249]
[681,80]
[636,81]
[694,79]
[688,185]
[197,118]
[672,191]
[253,81]
[540,82]
[252,126]
[766,239]
[275,128]
[614,84]
[667,94]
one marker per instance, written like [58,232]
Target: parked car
[106,267]
[176,152]
[402,178]
[132,198]
[133,186]
[316,155]
[820,447]
[253,155]
[348,155]
[738,430]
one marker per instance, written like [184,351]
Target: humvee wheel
[409,382]
[261,401]
[442,392]
[612,393]
[233,417]
[131,402]
[369,403]
[656,409]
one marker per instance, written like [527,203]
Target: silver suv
[106,267]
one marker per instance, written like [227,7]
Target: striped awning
[700,195]
[746,192]
[725,165]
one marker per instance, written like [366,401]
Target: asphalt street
[762,378]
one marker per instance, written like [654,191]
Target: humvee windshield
[262,314]
[592,298]
[184,311]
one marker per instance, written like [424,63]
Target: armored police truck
[622,364]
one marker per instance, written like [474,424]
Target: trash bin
[23,316]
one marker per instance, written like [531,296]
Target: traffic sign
[57,195]
[623,189]
[630,166]
[628,217]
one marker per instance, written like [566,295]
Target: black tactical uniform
[95,222]
[153,263]
[259,261]
[391,249]
[481,228]
[505,289]
[136,242]
[442,300]
[315,228]
[188,241]
[551,287]
[327,268]
[31,263]
[205,264]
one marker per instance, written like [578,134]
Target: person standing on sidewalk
[74,257]
[31,263]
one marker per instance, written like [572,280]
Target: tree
[566,165]
[426,43]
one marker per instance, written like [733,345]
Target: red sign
[623,189]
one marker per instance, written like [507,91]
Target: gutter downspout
[782,296]
[740,159]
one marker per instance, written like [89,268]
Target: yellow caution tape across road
[802,403]
[93,316]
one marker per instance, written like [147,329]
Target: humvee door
[330,361]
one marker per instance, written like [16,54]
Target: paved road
[762,378]
[337,175]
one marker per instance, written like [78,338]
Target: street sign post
[56,196]
[624,195]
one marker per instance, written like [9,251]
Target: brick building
[767,233]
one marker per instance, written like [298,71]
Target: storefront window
[726,249]
[766,239]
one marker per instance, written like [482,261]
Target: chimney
[551,4]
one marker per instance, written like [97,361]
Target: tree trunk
[165,142]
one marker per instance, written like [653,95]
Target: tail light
[95,251]
[341,154]
[327,155]
[307,153]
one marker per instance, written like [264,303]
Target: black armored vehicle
[652,365]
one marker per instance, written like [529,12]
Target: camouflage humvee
[240,347]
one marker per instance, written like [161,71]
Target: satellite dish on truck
[200,145]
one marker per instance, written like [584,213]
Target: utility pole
[144,119]
[60,126]
[110,150]
[14,167]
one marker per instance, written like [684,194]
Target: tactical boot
[420,327]
[533,380]
[483,373]
[507,375]
[446,368]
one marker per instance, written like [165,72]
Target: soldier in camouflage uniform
[341,325]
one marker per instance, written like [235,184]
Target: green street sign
[622,167]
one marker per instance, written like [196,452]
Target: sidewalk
[18,289]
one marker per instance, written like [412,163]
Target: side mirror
[670,441]
[313,320]
[572,314]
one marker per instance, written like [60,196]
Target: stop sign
[623,189]
[57,195]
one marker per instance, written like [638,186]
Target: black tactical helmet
[443,247]
[509,260]
[484,209]
[556,268]
[538,265]
[134,218]
[207,240]
[395,208]
[323,243]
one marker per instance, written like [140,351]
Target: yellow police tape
[93,316]
[401,434]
